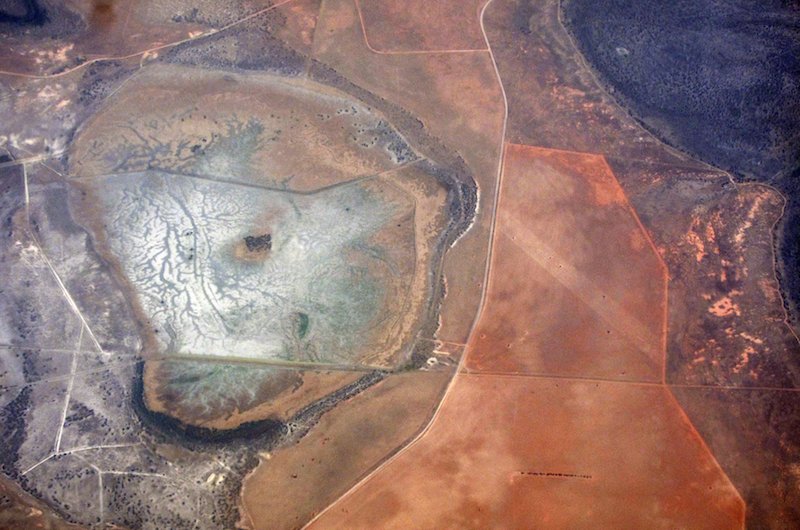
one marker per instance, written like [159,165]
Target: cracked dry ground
[630,364]
[564,413]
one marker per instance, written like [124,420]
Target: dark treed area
[719,80]
[22,12]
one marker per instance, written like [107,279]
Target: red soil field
[422,25]
[523,452]
[576,287]
[572,449]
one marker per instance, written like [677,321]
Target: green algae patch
[302,325]
[210,288]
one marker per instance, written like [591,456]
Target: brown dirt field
[429,221]
[553,98]
[422,25]
[279,394]
[521,451]
[296,482]
[299,23]
[462,105]
[547,453]
[576,287]
[752,433]
[726,321]
[20,511]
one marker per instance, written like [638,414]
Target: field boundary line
[409,52]
[448,390]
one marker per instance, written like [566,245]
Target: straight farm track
[616,263]
[576,290]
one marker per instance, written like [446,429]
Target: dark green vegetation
[23,12]
[42,19]
[302,325]
[719,80]
[258,243]
[269,433]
